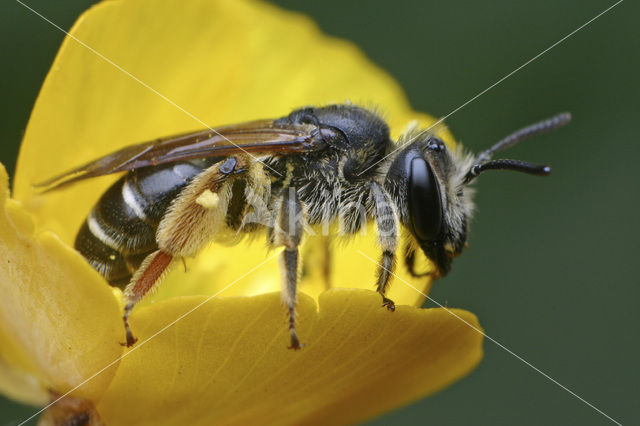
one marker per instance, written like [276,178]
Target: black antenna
[482,162]
[517,165]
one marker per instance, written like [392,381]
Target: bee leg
[326,261]
[289,268]
[193,220]
[288,232]
[317,259]
[149,273]
[410,262]
[387,223]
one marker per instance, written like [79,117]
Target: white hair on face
[460,196]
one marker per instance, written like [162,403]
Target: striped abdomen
[121,228]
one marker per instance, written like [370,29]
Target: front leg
[287,231]
[387,223]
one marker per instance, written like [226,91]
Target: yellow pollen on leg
[208,199]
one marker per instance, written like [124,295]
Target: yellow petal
[227,362]
[19,384]
[223,62]
[59,321]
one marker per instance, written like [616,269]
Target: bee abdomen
[120,230]
[107,261]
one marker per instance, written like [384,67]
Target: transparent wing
[254,138]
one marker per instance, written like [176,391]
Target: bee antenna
[515,165]
[482,162]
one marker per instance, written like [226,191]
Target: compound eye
[425,205]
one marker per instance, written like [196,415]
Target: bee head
[429,184]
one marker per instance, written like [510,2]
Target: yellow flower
[227,361]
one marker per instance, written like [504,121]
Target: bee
[315,166]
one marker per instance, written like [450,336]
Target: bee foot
[388,303]
[295,343]
[131,340]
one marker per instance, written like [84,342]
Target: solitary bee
[316,166]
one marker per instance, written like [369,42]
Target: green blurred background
[550,271]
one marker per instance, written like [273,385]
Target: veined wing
[254,138]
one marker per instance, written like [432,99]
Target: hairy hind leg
[150,272]
[193,220]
